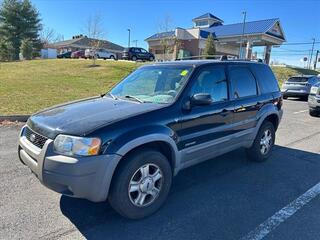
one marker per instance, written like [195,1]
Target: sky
[300,19]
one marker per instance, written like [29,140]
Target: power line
[300,43]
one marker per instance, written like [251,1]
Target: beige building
[190,42]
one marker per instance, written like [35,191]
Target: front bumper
[314,102]
[81,177]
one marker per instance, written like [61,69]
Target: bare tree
[94,30]
[167,42]
[49,35]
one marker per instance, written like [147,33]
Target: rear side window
[266,79]
[243,82]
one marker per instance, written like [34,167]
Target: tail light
[278,102]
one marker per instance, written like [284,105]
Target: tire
[134,58]
[285,97]
[255,152]
[151,59]
[127,203]
[313,113]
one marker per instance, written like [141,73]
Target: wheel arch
[159,142]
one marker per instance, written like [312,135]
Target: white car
[99,53]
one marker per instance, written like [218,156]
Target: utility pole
[136,42]
[129,37]
[310,60]
[316,60]
[243,27]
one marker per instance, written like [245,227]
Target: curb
[15,118]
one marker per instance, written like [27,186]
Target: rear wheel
[263,143]
[285,97]
[112,57]
[141,184]
[134,58]
[313,113]
[151,58]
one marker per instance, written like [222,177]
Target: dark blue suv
[135,53]
[127,145]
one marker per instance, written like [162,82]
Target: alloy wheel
[266,142]
[145,185]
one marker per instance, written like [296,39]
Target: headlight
[70,145]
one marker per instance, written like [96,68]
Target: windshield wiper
[112,96]
[134,98]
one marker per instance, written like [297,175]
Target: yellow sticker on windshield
[184,73]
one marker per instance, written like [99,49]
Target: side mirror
[201,99]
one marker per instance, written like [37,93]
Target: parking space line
[274,221]
[302,111]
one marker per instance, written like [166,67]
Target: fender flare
[154,137]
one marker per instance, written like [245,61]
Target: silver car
[314,100]
[298,86]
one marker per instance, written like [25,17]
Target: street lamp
[129,37]
[243,27]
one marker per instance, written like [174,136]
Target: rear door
[244,92]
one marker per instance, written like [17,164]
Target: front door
[202,127]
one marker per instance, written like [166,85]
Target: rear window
[266,79]
[298,79]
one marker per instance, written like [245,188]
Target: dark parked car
[298,86]
[127,145]
[78,54]
[135,54]
[314,100]
[64,55]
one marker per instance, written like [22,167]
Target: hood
[81,117]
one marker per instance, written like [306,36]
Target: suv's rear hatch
[297,84]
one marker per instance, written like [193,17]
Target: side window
[243,82]
[266,79]
[143,51]
[212,80]
[137,50]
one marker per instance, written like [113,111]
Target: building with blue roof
[190,42]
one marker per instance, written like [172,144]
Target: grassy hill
[27,86]
[283,73]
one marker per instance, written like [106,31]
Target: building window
[202,23]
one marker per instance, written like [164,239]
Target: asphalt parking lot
[225,198]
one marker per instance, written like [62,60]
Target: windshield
[156,84]
[298,79]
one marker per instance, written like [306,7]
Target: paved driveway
[225,198]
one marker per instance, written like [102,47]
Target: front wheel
[262,146]
[141,184]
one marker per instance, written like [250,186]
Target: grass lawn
[28,86]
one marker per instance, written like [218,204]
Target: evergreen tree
[6,50]
[26,49]
[19,20]
[210,48]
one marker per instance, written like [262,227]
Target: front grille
[35,138]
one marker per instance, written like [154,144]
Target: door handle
[224,113]
[240,109]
